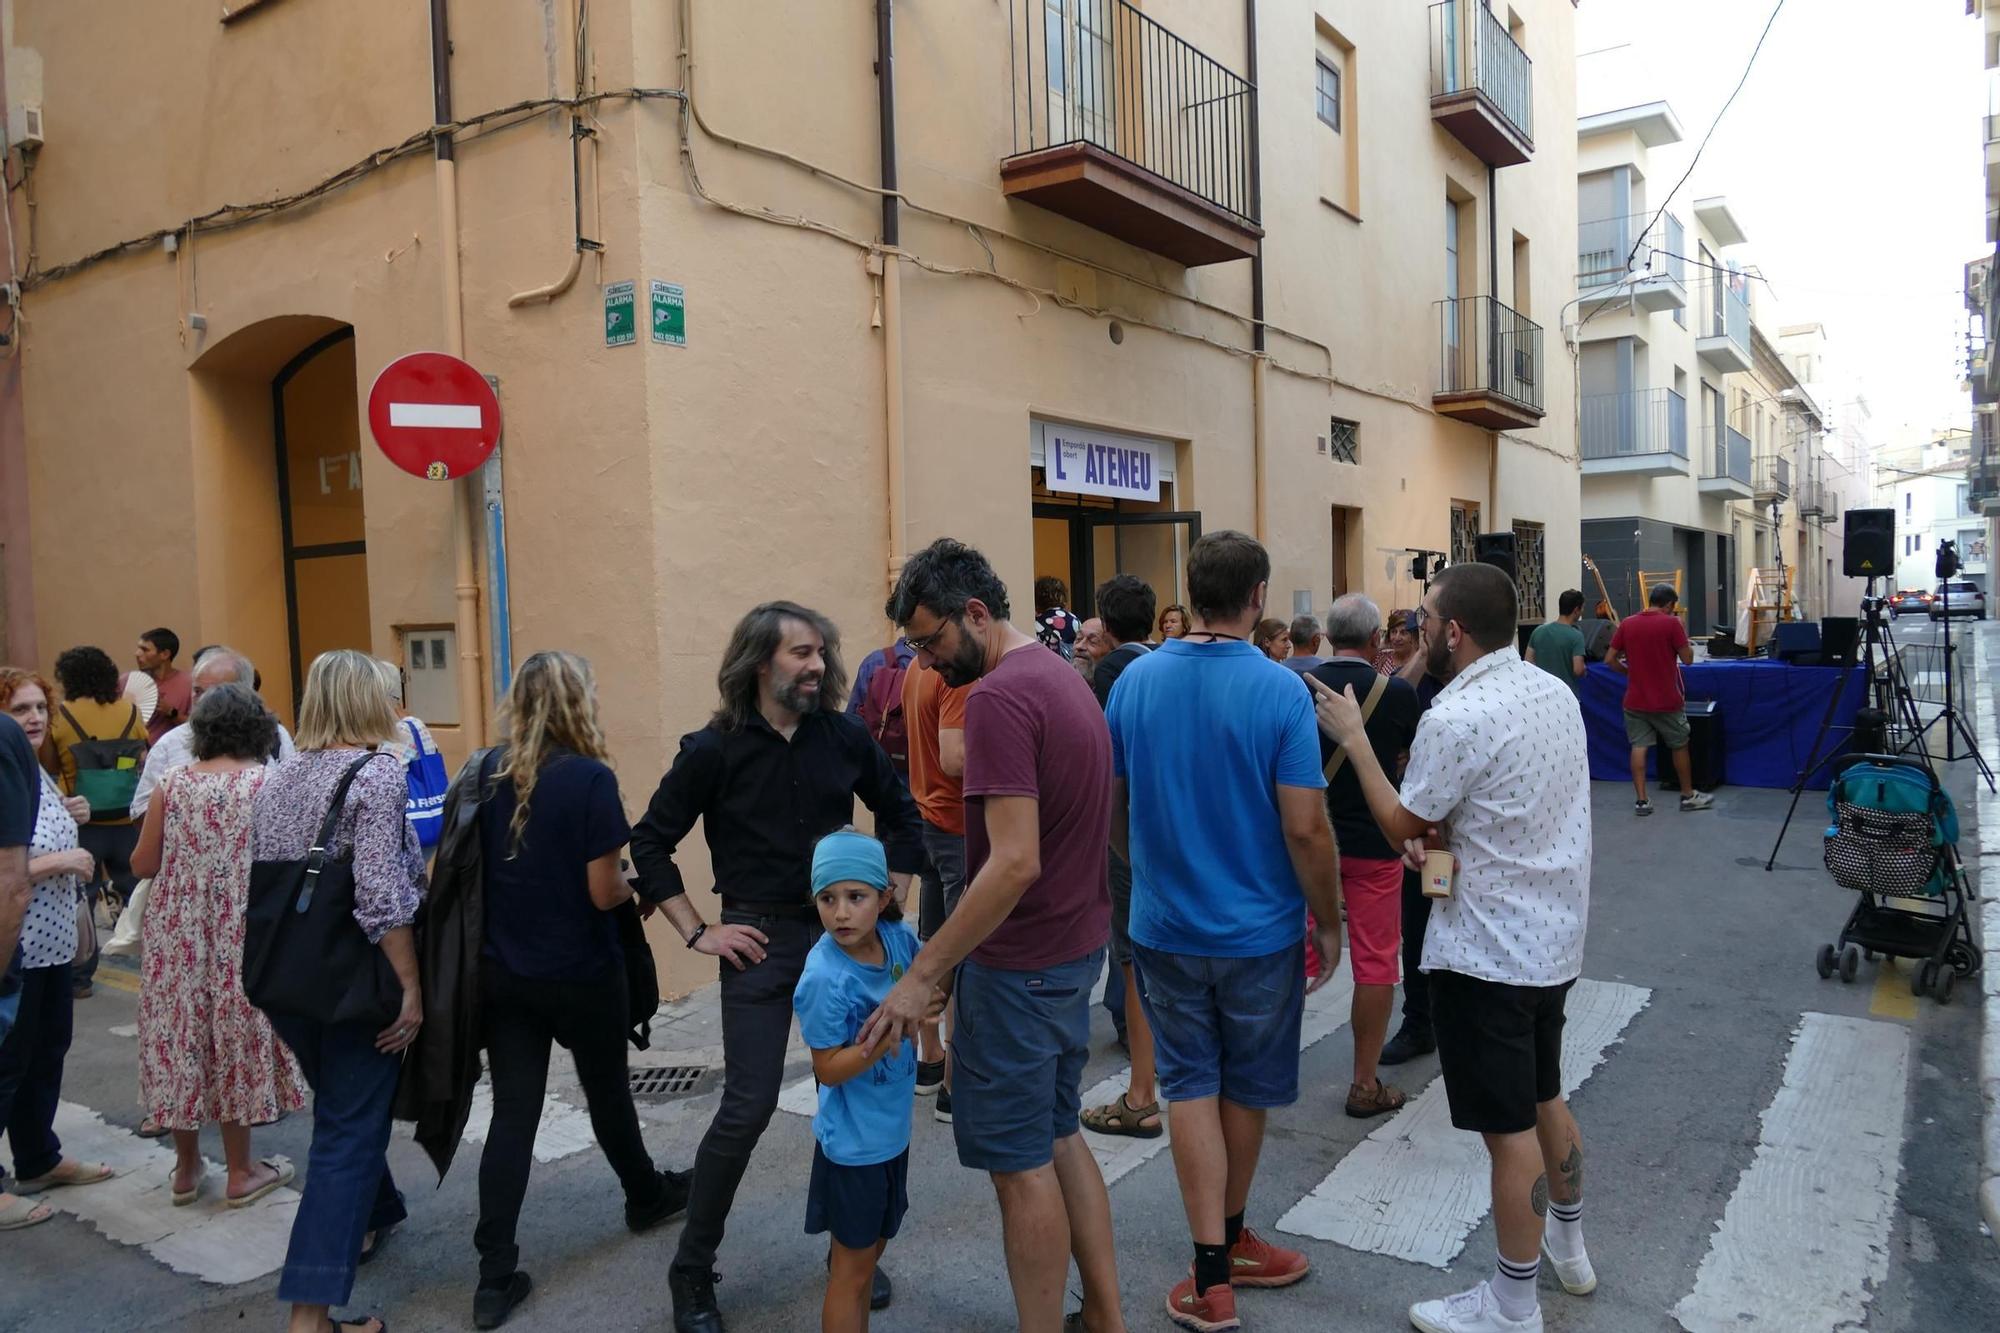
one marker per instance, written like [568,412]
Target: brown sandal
[1120,1117]
[1381,1099]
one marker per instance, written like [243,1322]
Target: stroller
[1893,839]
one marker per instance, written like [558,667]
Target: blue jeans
[348,1190]
[31,1069]
[1225,1027]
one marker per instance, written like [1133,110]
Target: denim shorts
[1225,1027]
[944,879]
[1018,1052]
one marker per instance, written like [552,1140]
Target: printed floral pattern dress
[205,1054]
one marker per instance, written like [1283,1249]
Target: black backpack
[107,771]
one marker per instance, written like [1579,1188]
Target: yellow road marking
[1892,997]
[117,979]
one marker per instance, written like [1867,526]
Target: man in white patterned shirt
[213,666]
[1499,766]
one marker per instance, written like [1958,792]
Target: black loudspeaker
[1723,643]
[1797,643]
[1496,549]
[1870,547]
[1839,636]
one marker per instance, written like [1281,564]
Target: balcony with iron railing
[1637,258]
[1643,432]
[1491,371]
[1983,492]
[1771,478]
[1725,463]
[1722,326]
[1482,83]
[1992,140]
[1127,128]
[1808,494]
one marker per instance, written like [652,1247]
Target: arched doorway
[315,419]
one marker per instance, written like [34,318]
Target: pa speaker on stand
[1869,551]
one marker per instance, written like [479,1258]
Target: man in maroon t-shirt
[1027,939]
[1649,649]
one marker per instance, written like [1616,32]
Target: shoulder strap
[416,740]
[1338,759]
[325,838]
[126,732]
[75,725]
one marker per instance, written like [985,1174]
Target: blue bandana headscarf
[848,855]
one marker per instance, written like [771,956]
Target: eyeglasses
[923,644]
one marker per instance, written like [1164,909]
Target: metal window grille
[663,1081]
[1530,570]
[1343,440]
[1327,94]
[1464,529]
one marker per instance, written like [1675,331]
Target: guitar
[1605,596]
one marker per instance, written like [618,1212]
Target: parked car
[1913,600]
[1959,599]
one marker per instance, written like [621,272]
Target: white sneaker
[1475,1311]
[1578,1278]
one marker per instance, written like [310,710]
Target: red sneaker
[1255,1262]
[1211,1311]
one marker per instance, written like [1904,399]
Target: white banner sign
[1081,462]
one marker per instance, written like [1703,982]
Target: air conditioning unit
[24,125]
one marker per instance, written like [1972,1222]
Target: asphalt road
[1673,1118]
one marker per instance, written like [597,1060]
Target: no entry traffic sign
[434,415]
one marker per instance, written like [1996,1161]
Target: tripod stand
[1890,690]
[1955,728]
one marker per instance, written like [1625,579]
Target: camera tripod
[1883,682]
[1955,727]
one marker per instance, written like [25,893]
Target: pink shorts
[1373,891]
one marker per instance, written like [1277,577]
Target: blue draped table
[1769,714]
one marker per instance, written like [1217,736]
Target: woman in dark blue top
[552,969]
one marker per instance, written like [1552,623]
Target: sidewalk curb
[1988,808]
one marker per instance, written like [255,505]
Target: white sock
[1564,1231]
[1514,1287]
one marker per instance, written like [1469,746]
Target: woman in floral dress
[206,1055]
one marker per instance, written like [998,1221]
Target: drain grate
[663,1081]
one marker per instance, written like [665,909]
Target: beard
[1437,658]
[800,694]
[966,665]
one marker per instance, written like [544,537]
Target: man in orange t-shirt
[934,722]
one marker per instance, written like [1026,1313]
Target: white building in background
[1926,484]
[1844,452]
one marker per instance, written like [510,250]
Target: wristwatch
[698,931]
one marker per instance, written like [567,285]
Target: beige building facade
[1106,276]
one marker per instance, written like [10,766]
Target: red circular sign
[434,415]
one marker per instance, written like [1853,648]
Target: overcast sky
[1853,159]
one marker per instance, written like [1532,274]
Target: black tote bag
[304,955]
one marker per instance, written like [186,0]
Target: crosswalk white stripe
[1415,1188]
[1804,1240]
[204,1239]
[564,1130]
[1326,1011]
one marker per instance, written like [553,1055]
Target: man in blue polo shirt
[1217,793]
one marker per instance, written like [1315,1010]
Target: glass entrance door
[1085,543]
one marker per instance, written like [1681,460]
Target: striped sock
[1564,1232]
[1514,1287]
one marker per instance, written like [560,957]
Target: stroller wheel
[1924,977]
[1850,962]
[1823,962]
[1941,989]
[1868,955]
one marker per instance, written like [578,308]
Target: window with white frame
[1326,92]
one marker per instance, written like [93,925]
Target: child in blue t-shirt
[861,1156]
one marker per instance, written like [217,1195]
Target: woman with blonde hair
[206,1055]
[552,968]
[347,718]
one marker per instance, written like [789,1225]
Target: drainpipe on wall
[892,287]
[467,508]
[1259,364]
[1493,335]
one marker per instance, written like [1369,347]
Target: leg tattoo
[1539,1196]
[1570,1172]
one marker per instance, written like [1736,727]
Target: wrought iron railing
[1471,51]
[1103,73]
[1773,477]
[1488,347]
[1725,453]
[1655,251]
[1725,309]
[1633,425]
